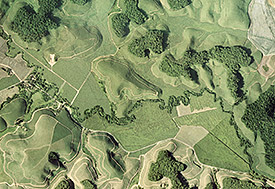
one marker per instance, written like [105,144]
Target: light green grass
[151,125]
[3,125]
[100,145]
[3,176]
[68,92]
[91,95]
[15,109]
[121,80]
[212,152]
[208,119]
[216,122]
[8,81]
[60,132]
[204,101]
[43,134]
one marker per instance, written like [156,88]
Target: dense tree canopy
[31,26]
[233,57]
[260,118]
[178,4]
[88,184]
[153,40]
[4,6]
[231,183]
[133,12]
[120,23]
[65,184]
[173,68]
[167,166]
[80,2]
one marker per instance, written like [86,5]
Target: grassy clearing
[218,124]
[8,81]
[191,134]
[149,119]
[220,79]
[121,80]
[211,151]
[204,101]
[91,95]
[3,176]
[103,149]
[208,119]
[68,92]
[13,110]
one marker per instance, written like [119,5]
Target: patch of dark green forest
[260,118]
[4,7]
[80,2]
[236,183]
[32,26]
[130,13]
[154,40]
[167,166]
[232,57]
[178,4]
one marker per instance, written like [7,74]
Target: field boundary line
[44,65]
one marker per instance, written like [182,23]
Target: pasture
[43,134]
[217,123]
[151,125]
[212,152]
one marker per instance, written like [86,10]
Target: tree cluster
[260,118]
[154,40]
[30,25]
[167,166]
[3,34]
[109,118]
[133,12]
[65,184]
[236,183]
[178,4]
[4,6]
[120,23]
[88,184]
[183,66]
[80,2]
[233,57]
[211,185]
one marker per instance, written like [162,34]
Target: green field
[91,108]
[217,123]
[212,152]
[43,134]
[149,119]
[8,81]
[14,110]
[91,95]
